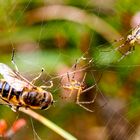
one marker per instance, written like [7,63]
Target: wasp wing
[14,79]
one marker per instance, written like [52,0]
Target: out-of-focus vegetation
[53,34]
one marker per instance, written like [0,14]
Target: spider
[80,87]
[130,41]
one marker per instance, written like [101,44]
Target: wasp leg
[36,78]
[12,60]
[80,103]
[27,107]
[7,103]
[46,87]
[16,108]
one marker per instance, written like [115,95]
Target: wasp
[16,91]
[130,41]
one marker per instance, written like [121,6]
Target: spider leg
[132,48]
[84,77]
[12,60]
[80,103]
[116,49]
[75,65]
[118,40]
[89,102]
[36,78]
[91,87]
[85,107]
[68,77]
[86,102]
[71,92]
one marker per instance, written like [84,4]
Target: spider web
[112,115]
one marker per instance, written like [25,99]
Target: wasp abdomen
[6,91]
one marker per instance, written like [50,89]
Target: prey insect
[80,87]
[16,91]
[130,42]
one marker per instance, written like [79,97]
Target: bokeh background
[53,34]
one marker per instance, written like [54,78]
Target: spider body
[134,37]
[130,42]
[79,86]
[74,85]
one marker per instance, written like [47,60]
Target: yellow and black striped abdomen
[7,93]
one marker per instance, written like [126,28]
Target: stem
[48,123]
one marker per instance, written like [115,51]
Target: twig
[48,123]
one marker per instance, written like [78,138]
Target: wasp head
[37,99]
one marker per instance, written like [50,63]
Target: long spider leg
[89,102]
[84,77]
[79,103]
[91,87]
[132,48]
[116,49]
[75,65]
[84,107]
[127,53]
[71,92]
[118,40]
[68,77]
[78,95]
[93,100]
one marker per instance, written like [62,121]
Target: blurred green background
[53,34]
